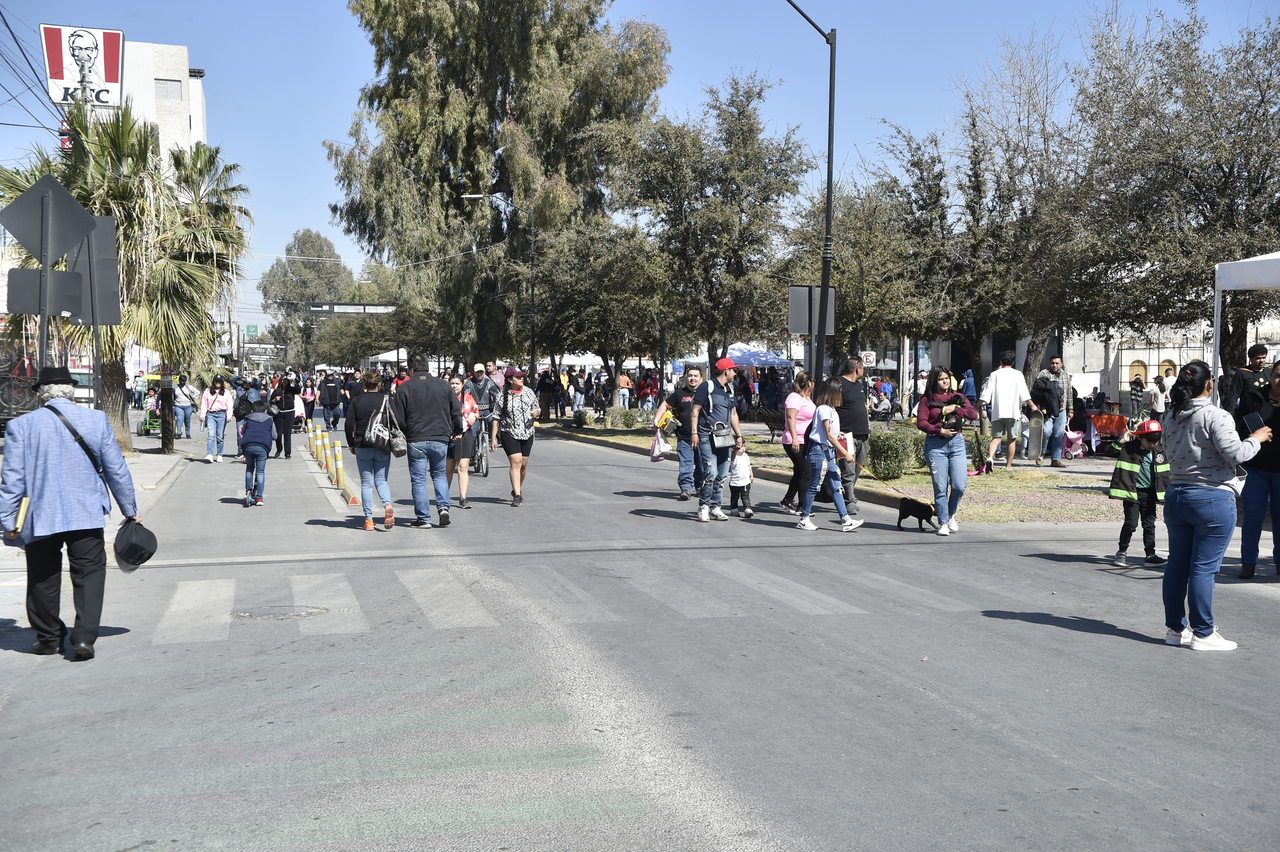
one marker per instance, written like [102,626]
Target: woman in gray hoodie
[1200,506]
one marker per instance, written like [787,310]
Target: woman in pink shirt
[799,410]
[215,408]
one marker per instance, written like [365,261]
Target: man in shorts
[1004,394]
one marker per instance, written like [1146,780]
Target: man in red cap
[714,432]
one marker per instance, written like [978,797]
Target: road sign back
[69,223]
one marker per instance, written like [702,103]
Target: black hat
[135,544]
[54,376]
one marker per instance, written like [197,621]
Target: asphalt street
[594,670]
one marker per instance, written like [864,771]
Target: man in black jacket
[430,416]
[1250,377]
[330,399]
[854,427]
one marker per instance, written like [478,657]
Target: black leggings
[799,483]
[284,432]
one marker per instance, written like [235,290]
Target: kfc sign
[81,60]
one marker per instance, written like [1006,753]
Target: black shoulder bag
[84,446]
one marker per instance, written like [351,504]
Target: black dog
[912,508]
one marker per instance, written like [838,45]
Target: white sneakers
[717,514]
[1212,642]
[953,526]
[1119,561]
[704,514]
[945,529]
[848,524]
[218,459]
[806,524]
[209,458]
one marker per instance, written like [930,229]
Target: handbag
[659,448]
[378,434]
[722,436]
[399,445]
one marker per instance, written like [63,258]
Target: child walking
[740,478]
[1140,480]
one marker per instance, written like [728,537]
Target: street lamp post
[533,360]
[819,341]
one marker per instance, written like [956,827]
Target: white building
[166,91]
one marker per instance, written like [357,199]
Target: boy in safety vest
[1140,480]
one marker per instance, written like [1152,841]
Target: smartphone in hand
[1253,421]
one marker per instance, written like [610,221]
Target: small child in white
[740,478]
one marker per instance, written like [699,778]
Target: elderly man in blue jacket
[68,502]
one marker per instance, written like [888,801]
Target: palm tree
[179,239]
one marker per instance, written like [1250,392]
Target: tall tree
[310,271]
[713,190]
[499,98]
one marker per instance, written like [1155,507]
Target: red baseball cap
[725,364]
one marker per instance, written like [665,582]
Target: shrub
[629,416]
[613,417]
[917,447]
[580,418]
[889,453]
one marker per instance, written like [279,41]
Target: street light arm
[821,32]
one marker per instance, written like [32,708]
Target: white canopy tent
[1254,273]
[743,355]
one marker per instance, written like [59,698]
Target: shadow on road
[1075,558]
[20,639]
[667,494]
[1076,623]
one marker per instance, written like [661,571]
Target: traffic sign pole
[46,227]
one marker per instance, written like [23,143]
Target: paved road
[595,671]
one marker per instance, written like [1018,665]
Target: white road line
[671,591]
[444,601]
[781,589]
[333,592]
[562,601]
[905,592]
[200,611]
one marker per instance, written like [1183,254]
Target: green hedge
[889,454]
[613,417]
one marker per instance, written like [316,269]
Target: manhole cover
[280,613]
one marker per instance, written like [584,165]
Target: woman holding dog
[941,417]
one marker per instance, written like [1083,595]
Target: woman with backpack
[941,417]
[184,402]
[215,408]
[372,462]
[514,426]
[257,431]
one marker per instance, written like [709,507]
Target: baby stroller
[299,421]
[1073,444]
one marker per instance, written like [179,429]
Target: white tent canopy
[745,355]
[1254,273]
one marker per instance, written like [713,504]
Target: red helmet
[1147,427]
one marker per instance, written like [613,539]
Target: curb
[875,496]
[351,498]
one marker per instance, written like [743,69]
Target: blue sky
[283,76]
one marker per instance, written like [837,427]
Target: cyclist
[485,393]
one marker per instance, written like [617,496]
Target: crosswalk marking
[669,590]
[906,592]
[333,592]
[444,600]
[561,600]
[781,589]
[200,611]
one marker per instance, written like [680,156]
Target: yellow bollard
[324,454]
[310,436]
[337,465]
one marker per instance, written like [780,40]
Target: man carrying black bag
[65,460]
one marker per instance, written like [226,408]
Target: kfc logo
[83,63]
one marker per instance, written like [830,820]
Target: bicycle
[480,453]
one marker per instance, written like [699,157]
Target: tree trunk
[1035,352]
[166,419]
[1233,348]
[116,401]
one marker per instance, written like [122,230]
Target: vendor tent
[1254,273]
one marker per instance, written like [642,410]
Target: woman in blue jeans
[1262,485]
[941,417]
[372,462]
[823,443]
[1200,505]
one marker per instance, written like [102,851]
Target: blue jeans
[1259,487]
[1200,521]
[216,423]
[1054,427]
[947,466]
[181,420]
[577,402]
[332,413]
[424,457]
[373,465]
[624,397]
[692,472]
[255,468]
[818,459]
[712,460]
